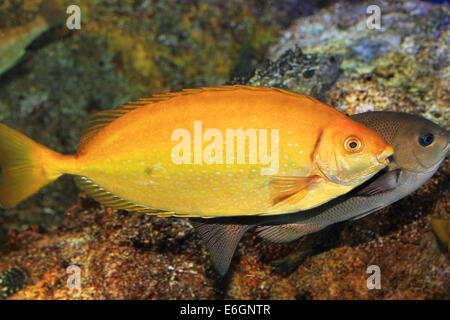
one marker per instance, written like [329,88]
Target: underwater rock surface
[311,74]
[408,54]
[135,256]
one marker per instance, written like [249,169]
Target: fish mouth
[383,157]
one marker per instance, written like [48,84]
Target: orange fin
[290,189]
[99,120]
[26,166]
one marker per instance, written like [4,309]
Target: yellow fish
[208,152]
[14,40]
[441,228]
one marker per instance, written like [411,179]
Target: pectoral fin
[382,183]
[290,189]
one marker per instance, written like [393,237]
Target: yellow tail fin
[26,166]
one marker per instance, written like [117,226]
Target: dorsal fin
[99,120]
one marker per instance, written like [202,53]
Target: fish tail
[26,166]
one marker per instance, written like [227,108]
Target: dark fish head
[420,145]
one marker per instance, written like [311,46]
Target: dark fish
[420,147]
[11,281]
[14,40]
[441,228]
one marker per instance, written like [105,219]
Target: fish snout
[383,157]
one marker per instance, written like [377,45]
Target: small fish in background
[420,147]
[11,281]
[125,157]
[441,228]
[15,40]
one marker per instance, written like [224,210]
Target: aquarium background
[135,48]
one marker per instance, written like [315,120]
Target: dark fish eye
[426,139]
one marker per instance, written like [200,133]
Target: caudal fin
[26,166]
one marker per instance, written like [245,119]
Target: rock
[406,60]
[311,74]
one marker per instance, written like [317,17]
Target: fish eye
[426,139]
[352,144]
